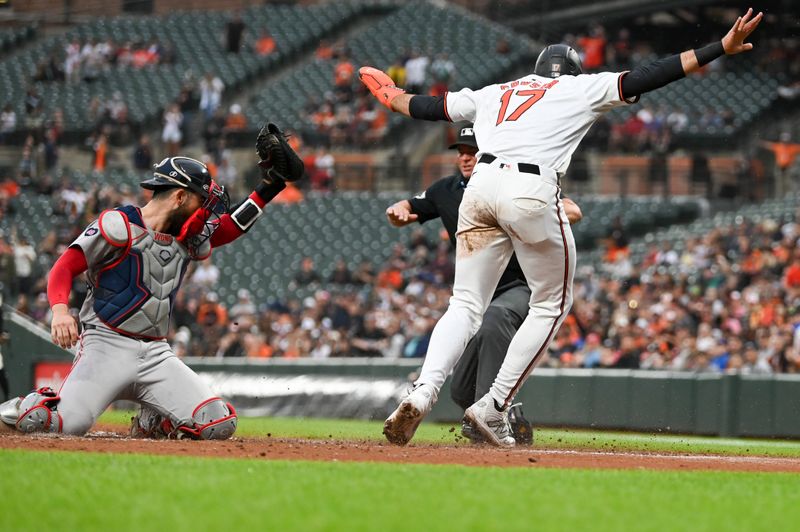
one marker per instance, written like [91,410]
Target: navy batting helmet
[180,172]
[558,60]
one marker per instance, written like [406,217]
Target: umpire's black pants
[481,361]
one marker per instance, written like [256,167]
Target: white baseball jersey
[536,119]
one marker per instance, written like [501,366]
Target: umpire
[478,367]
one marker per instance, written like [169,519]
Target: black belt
[90,327]
[522,167]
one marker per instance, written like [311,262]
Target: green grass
[85,491]
[546,438]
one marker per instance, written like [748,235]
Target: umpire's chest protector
[133,273]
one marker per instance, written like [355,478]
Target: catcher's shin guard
[213,419]
[36,412]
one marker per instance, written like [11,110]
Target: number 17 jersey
[536,119]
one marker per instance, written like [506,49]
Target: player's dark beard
[176,220]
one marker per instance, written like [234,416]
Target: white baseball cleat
[491,424]
[400,427]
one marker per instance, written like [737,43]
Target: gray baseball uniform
[133,273]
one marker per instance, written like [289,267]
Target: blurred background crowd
[726,300]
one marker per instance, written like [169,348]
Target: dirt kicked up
[113,441]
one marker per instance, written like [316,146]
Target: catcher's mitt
[278,159]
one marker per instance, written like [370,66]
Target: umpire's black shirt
[441,200]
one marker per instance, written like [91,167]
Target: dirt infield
[369,451]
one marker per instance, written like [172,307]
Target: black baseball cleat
[521,428]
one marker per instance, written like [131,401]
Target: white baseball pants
[504,211]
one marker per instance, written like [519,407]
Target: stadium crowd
[727,300]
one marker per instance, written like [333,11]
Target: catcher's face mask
[204,221]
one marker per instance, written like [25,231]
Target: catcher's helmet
[558,60]
[180,172]
[191,174]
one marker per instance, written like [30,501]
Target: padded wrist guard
[246,215]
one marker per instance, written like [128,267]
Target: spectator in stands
[143,154]
[91,61]
[418,339]
[188,102]
[634,133]
[172,133]
[324,50]
[621,50]
[307,274]
[340,274]
[265,45]
[369,340]
[24,262]
[212,317]
[50,149]
[594,49]
[211,88]
[48,69]
[145,55]
[442,70]
[677,120]
[34,124]
[8,122]
[27,168]
[206,275]
[244,309]
[235,121]
[213,130]
[320,166]
[343,77]
[6,265]
[391,275]
[72,61]
[364,274]
[100,155]
[785,153]
[226,173]
[617,240]
[397,71]
[232,344]
[290,194]
[417,73]
[234,30]
[33,102]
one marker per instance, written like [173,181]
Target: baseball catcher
[135,259]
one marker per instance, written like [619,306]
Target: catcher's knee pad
[36,412]
[213,419]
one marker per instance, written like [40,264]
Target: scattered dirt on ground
[106,439]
